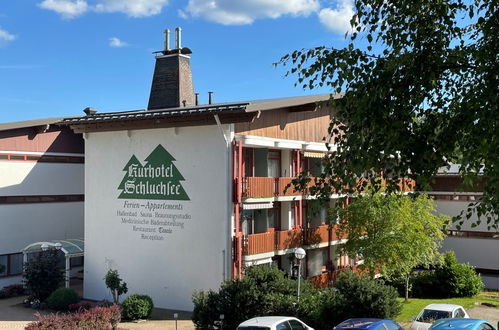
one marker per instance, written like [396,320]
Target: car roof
[360,323]
[265,321]
[457,323]
[443,307]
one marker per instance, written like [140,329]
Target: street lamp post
[299,255]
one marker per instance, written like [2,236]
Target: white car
[434,312]
[273,323]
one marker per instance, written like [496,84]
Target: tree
[421,92]
[115,284]
[43,274]
[393,233]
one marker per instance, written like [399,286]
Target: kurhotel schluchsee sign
[158,178]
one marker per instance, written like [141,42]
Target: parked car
[434,312]
[273,323]
[462,324]
[368,324]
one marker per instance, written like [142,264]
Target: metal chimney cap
[90,111]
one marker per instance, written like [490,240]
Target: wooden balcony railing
[287,239]
[328,278]
[258,186]
[259,243]
[282,182]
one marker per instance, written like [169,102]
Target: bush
[266,291]
[95,318]
[457,280]
[61,298]
[361,296]
[262,291]
[448,280]
[137,307]
[42,275]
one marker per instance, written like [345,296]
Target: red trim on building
[30,199]
[42,158]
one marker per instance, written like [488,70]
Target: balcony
[264,187]
[328,278]
[287,239]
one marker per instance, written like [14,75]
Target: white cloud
[338,20]
[66,8]
[6,37]
[230,12]
[117,43]
[133,8]
[69,9]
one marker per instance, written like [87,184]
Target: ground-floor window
[13,264]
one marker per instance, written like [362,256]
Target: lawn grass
[415,305]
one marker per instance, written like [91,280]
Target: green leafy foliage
[115,284]
[61,298]
[137,307]
[266,291]
[394,233]
[457,279]
[420,91]
[449,279]
[362,296]
[42,275]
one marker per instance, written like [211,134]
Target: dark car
[368,324]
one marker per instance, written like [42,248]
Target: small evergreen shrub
[137,307]
[96,318]
[42,275]
[61,298]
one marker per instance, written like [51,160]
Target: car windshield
[430,315]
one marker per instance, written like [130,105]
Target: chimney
[172,85]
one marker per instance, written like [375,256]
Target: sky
[59,56]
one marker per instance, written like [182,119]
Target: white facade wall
[26,223]
[195,257]
[38,178]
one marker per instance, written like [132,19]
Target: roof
[443,307]
[286,102]
[359,323]
[71,247]
[156,114]
[29,123]
[456,323]
[265,321]
[229,112]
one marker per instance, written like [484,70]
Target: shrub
[457,280]
[115,284]
[42,275]
[363,296]
[137,307]
[95,318]
[61,298]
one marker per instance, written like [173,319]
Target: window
[13,264]
[76,262]
[430,316]
[459,313]
[283,326]
[296,325]
[485,326]
[274,163]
